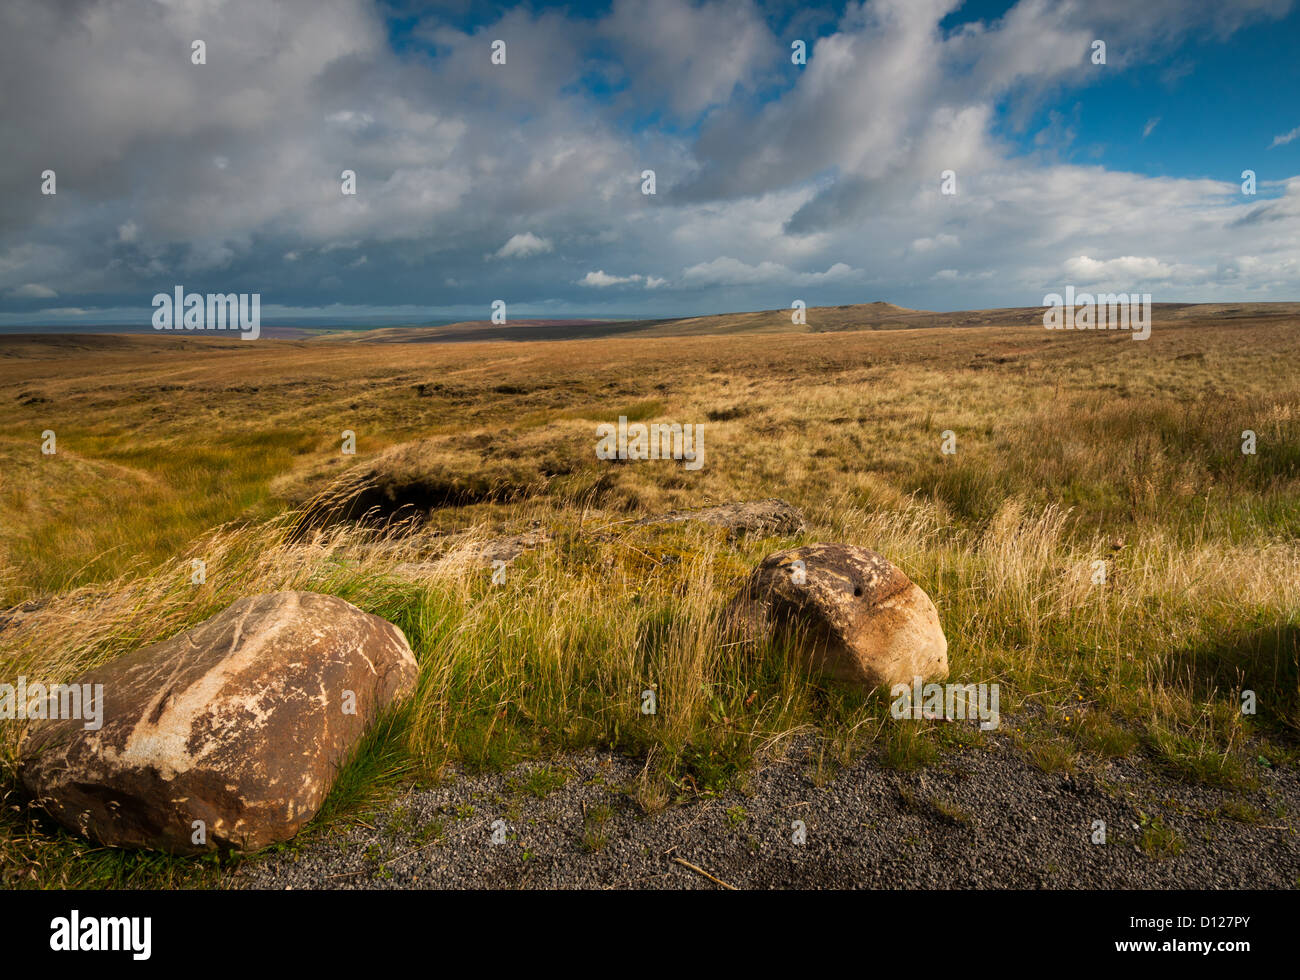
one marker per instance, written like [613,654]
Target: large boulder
[240,722]
[863,621]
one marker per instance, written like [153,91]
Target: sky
[522,182]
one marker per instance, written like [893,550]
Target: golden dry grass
[1072,450]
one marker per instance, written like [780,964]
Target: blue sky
[521,182]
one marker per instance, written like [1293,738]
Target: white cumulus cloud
[523,245]
[1285,138]
[1126,268]
[727,271]
[600,279]
[32,290]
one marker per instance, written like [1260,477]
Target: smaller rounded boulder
[861,620]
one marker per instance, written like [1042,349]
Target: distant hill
[821,319]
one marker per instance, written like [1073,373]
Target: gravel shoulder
[978,817]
